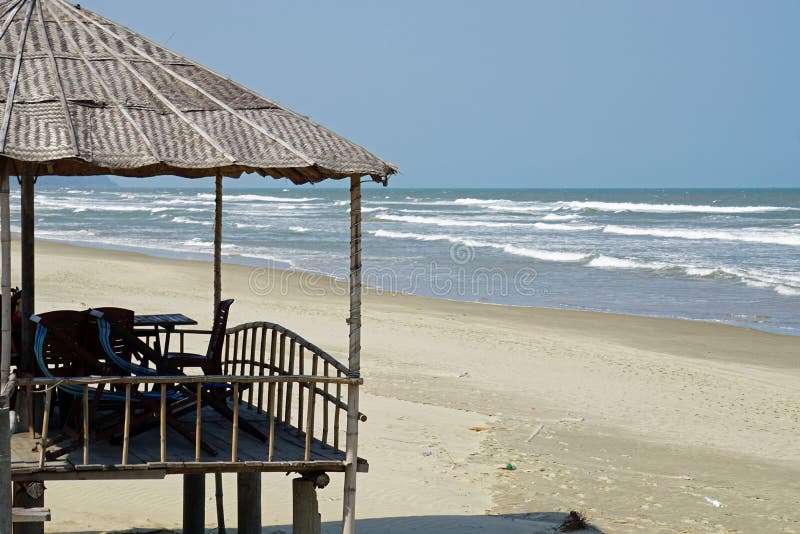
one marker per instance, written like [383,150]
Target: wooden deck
[144,457]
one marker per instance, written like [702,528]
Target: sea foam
[748,235]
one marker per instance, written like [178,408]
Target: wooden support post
[28,495]
[220,503]
[194,504]
[248,502]
[5,243]
[85,425]
[27,265]
[217,241]
[5,466]
[217,299]
[163,423]
[126,429]
[48,396]
[354,361]
[305,508]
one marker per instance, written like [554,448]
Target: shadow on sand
[530,523]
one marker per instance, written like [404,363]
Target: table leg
[167,331]
[157,344]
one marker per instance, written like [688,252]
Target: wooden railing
[269,369]
[276,386]
[268,349]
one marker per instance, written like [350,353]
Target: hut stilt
[305,507]
[27,184]
[248,498]
[5,243]
[217,240]
[5,347]
[351,459]
[194,504]
[217,298]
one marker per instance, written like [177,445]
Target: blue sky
[519,93]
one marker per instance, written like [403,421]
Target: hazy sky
[519,93]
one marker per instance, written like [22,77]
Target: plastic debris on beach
[428,453]
[507,467]
[713,502]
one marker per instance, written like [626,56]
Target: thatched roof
[86,96]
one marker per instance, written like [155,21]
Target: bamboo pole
[217,300]
[325,406]
[126,429]
[337,412]
[271,411]
[300,392]
[310,414]
[262,355]
[5,465]
[163,421]
[354,360]
[48,396]
[217,241]
[5,243]
[288,408]
[27,265]
[181,379]
[85,425]
[198,413]
[235,429]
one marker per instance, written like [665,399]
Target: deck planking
[144,456]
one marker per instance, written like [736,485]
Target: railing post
[354,360]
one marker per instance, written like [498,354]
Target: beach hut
[81,95]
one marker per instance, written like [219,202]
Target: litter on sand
[534,433]
[713,502]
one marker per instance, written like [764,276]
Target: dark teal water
[729,256]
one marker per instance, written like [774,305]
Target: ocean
[728,256]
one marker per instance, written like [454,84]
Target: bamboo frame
[126,430]
[301,371]
[163,423]
[5,294]
[354,360]
[310,383]
[288,413]
[187,379]
[48,396]
[217,241]
[310,414]
[85,424]
[198,418]
[235,425]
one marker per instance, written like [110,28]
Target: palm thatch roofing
[81,95]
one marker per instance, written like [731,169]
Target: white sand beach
[634,421]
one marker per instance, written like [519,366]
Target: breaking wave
[747,235]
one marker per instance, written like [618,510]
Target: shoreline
[160,254]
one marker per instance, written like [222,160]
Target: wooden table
[165,321]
